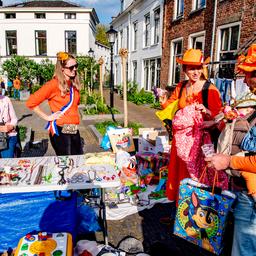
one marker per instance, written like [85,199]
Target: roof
[43,4]
[120,14]
[245,46]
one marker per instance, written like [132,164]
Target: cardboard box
[153,141]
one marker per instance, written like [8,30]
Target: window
[135,67]
[178,8]
[176,70]
[135,35]
[41,46]
[146,74]
[158,70]
[197,41]
[10,15]
[127,71]
[229,40]
[40,15]
[152,73]
[121,38]
[117,45]
[147,30]
[157,26]
[152,68]
[11,42]
[70,42]
[127,37]
[70,15]
[198,4]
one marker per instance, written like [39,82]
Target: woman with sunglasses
[62,93]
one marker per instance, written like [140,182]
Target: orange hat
[248,63]
[193,57]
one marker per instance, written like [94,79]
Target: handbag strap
[215,179]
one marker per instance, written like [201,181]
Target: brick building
[217,28]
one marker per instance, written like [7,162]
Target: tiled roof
[44,4]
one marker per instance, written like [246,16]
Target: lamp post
[91,55]
[111,38]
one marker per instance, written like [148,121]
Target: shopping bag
[201,215]
[169,111]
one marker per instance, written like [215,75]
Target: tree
[88,69]
[45,71]
[101,35]
[20,66]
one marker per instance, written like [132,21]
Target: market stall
[39,175]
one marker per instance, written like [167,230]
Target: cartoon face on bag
[200,219]
[204,216]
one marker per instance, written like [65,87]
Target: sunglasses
[72,67]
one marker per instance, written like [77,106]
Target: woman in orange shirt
[62,93]
[189,92]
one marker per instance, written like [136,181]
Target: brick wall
[228,11]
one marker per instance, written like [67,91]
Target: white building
[103,51]
[40,29]
[139,26]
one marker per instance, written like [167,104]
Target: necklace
[189,93]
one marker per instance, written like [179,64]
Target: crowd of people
[198,121]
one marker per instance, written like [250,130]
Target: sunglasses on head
[72,67]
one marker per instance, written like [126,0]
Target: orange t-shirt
[51,92]
[214,99]
[16,84]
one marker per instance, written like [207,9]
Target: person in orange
[16,85]
[62,93]
[244,239]
[189,92]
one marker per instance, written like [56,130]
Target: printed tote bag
[201,215]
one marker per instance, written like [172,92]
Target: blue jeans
[244,242]
[16,94]
[11,144]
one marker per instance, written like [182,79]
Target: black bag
[3,138]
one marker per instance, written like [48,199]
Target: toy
[45,244]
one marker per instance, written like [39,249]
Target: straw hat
[248,63]
[193,57]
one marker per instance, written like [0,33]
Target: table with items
[58,173]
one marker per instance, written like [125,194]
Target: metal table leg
[105,227]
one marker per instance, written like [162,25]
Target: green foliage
[88,70]
[27,69]
[95,106]
[156,105]
[45,71]
[83,96]
[35,87]
[135,96]
[102,126]
[22,132]
[20,66]
[101,35]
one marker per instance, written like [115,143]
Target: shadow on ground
[156,235]
[34,149]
